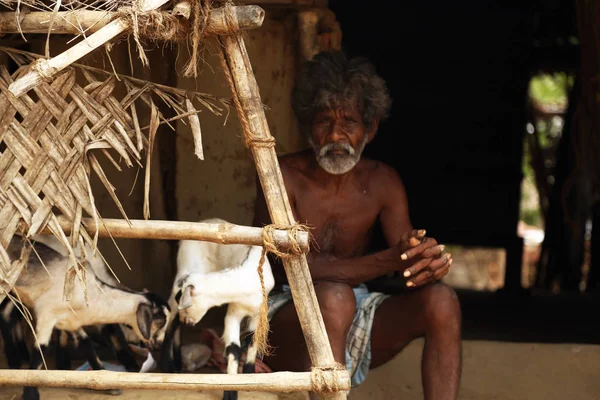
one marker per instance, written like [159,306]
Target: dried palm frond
[143,22]
[51,140]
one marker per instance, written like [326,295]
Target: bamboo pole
[225,233]
[267,165]
[283,382]
[73,22]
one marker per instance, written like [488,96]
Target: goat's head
[152,316]
[191,304]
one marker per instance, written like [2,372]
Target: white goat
[210,275]
[42,292]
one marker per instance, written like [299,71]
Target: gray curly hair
[330,80]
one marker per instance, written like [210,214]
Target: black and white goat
[117,336]
[210,275]
[40,288]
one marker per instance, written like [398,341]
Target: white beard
[338,164]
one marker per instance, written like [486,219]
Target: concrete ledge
[496,370]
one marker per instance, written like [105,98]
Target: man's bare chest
[340,223]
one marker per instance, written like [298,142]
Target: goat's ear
[186,298]
[144,320]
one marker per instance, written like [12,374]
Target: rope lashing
[324,379]
[262,330]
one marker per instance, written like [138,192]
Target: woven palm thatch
[51,140]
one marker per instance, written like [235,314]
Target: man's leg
[338,306]
[432,312]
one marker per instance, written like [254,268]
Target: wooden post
[267,166]
[225,233]
[282,382]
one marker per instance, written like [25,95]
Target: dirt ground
[492,370]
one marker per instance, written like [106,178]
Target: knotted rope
[154,25]
[262,330]
[292,235]
[44,73]
[324,379]
[161,26]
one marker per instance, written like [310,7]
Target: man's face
[338,138]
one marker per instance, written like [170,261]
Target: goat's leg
[233,351]
[11,329]
[20,338]
[249,347]
[11,349]
[116,337]
[177,361]
[170,359]
[93,359]
[44,327]
[63,359]
[88,349]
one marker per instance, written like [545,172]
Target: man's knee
[441,306]
[337,303]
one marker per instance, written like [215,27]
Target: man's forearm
[354,271]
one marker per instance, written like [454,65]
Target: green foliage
[551,88]
[531,216]
[546,90]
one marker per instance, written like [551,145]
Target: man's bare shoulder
[381,177]
[379,171]
[295,163]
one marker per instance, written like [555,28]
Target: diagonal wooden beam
[256,130]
